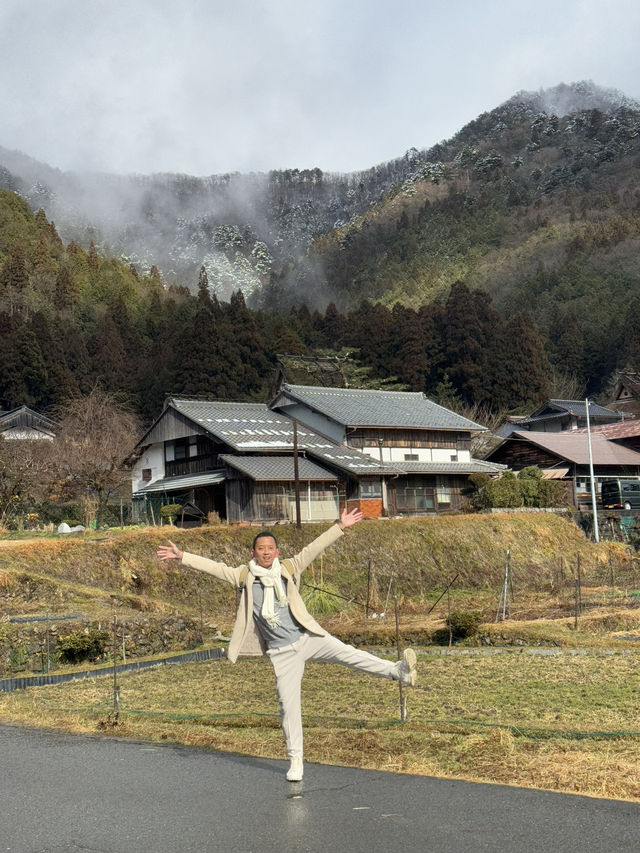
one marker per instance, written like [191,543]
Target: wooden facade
[409,438]
[426,494]
[250,501]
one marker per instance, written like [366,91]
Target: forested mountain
[498,267]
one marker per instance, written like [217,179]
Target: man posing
[273,619]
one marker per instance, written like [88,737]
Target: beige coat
[245,639]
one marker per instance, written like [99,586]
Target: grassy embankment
[563,722]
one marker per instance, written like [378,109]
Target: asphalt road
[64,793]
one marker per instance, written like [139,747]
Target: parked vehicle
[620,494]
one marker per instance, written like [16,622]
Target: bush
[170,512]
[504,492]
[528,489]
[463,623]
[78,646]
[460,625]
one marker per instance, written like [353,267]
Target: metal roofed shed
[183,484]
[575,448]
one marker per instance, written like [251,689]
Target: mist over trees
[492,270]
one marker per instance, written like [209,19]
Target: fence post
[116,693]
[403,698]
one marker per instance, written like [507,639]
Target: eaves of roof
[575,447]
[183,483]
[277,468]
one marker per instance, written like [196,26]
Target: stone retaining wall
[24,646]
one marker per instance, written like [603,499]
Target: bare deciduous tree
[25,472]
[97,435]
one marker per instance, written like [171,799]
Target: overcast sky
[210,86]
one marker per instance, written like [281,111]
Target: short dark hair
[261,536]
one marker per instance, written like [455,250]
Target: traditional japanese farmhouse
[559,416]
[565,456]
[423,449]
[626,394]
[390,453]
[25,423]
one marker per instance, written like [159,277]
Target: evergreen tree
[14,277]
[410,362]
[202,361]
[468,326]
[23,376]
[520,369]
[253,367]
[109,366]
[61,383]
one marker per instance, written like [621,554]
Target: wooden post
[578,596]
[116,695]
[296,474]
[612,575]
[366,607]
[579,585]
[403,699]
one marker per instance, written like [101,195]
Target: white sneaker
[295,771]
[406,668]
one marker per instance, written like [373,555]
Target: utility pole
[594,506]
[296,474]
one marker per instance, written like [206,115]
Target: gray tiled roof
[277,468]
[243,426]
[369,408]
[574,407]
[475,466]
[253,427]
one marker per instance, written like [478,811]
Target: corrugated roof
[573,446]
[277,468]
[357,407]
[622,429]
[183,483]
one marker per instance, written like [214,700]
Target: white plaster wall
[424,454]
[152,458]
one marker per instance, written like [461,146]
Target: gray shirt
[287,632]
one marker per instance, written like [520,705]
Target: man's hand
[347,519]
[169,552]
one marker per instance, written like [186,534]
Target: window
[146,474]
[414,500]
[443,491]
[370,489]
[181,448]
[411,457]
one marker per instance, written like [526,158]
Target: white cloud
[207,86]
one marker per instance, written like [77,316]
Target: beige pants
[288,664]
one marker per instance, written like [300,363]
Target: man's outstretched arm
[315,548]
[348,519]
[201,564]
[169,552]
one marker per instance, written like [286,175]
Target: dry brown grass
[566,722]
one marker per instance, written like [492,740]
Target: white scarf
[271,580]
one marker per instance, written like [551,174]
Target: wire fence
[8,685]
[255,719]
